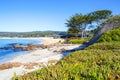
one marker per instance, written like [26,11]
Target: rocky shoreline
[48,53]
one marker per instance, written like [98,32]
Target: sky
[43,15]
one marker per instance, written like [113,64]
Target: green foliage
[109,36]
[73,31]
[102,14]
[115,19]
[80,22]
[105,46]
[94,63]
[79,41]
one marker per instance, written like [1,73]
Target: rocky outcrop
[9,65]
[19,46]
[29,47]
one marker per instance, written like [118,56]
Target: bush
[79,41]
[105,46]
[109,36]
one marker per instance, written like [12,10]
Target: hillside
[29,34]
[99,61]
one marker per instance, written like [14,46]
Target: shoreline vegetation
[99,61]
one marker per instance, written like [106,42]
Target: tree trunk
[82,34]
[106,27]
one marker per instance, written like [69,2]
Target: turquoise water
[8,54]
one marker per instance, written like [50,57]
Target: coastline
[7,52]
[37,58]
[46,40]
[43,40]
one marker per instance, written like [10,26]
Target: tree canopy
[80,22]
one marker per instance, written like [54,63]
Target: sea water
[8,54]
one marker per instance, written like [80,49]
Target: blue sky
[41,15]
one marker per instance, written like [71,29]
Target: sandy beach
[36,59]
[51,40]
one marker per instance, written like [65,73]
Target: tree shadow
[66,52]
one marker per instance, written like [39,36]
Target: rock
[30,47]
[52,62]
[62,50]
[55,51]
[10,65]
[19,46]
[32,65]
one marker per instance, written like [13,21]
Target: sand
[38,58]
[50,40]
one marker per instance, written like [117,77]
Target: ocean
[9,54]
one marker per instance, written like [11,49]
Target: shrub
[109,36]
[105,46]
[79,41]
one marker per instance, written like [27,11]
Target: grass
[100,61]
[79,40]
